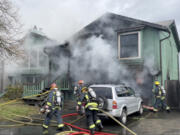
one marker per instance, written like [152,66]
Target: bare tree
[9,30]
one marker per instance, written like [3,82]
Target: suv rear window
[103,92]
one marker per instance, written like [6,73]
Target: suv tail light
[114,105]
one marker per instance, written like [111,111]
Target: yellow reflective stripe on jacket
[45,126]
[87,97]
[60,125]
[91,108]
[158,96]
[93,104]
[54,93]
[56,107]
[49,104]
[79,103]
[155,109]
[160,92]
[163,97]
[92,126]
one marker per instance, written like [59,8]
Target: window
[103,92]
[131,91]
[129,45]
[121,91]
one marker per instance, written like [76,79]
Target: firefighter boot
[168,109]
[60,127]
[99,126]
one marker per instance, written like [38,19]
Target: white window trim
[139,45]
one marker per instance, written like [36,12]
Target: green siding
[151,53]
[169,58]
[151,50]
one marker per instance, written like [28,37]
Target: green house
[140,51]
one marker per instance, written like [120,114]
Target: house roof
[110,22]
[166,23]
[171,25]
[116,23]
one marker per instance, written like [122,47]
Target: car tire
[140,109]
[102,102]
[123,117]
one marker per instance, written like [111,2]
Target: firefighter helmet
[80,81]
[53,85]
[157,83]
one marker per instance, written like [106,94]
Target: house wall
[151,58]
[151,51]
[151,55]
[169,58]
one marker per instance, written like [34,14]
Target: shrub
[14,92]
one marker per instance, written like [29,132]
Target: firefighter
[77,93]
[54,103]
[159,94]
[89,99]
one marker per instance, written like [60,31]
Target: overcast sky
[59,19]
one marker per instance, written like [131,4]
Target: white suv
[118,100]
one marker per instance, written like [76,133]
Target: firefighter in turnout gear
[159,94]
[54,102]
[77,93]
[89,99]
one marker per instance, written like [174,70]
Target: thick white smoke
[95,61]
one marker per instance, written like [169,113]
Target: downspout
[161,40]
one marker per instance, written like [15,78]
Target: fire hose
[62,133]
[12,101]
[30,123]
[76,127]
[85,131]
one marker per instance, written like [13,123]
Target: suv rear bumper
[114,112]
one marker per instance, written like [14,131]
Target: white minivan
[118,100]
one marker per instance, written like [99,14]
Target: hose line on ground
[12,101]
[132,132]
[30,123]
[67,115]
[67,124]
[64,132]
[26,117]
[13,125]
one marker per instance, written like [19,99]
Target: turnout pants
[92,119]
[160,102]
[54,112]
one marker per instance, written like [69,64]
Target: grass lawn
[18,108]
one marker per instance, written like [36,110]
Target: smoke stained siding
[140,72]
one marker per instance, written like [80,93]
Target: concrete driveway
[161,123]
